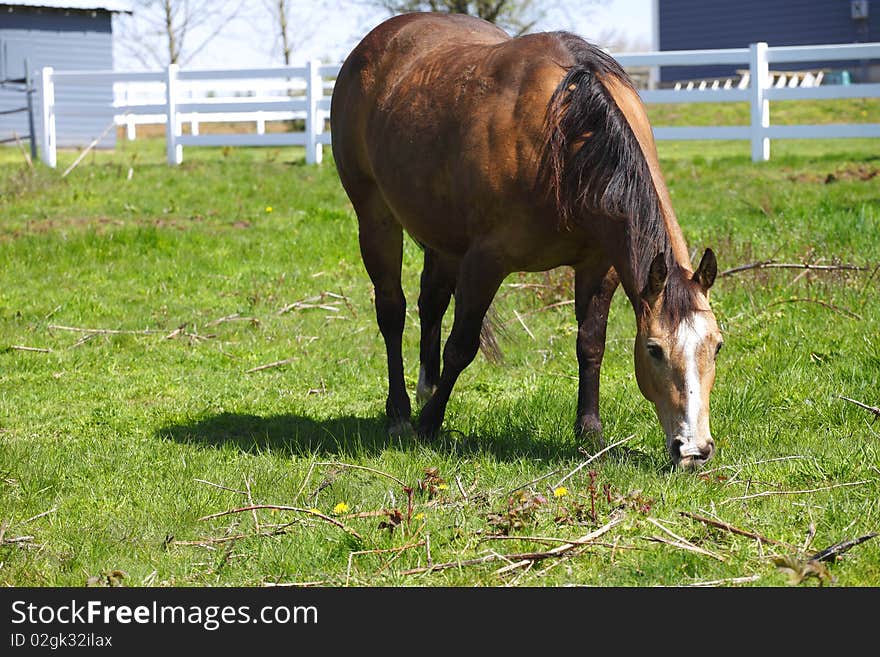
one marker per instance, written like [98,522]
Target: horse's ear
[706,272]
[657,275]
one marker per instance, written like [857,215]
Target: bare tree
[162,32]
[293,22]
[516,16]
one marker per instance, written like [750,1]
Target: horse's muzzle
[689,456]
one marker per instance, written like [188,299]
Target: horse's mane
[593,164]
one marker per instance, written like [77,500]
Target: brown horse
[500,154]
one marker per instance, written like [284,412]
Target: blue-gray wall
[698,24]
[65,40]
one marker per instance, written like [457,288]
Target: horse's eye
[656,351]
[718,349]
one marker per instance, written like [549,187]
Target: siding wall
[66,40]
[697,24]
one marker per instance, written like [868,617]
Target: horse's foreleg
[437,285]
[479,277]
[593,294]
[381,242]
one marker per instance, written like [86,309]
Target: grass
[114,434]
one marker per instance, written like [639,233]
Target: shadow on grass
[297,435]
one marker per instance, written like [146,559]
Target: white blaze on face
[689,338]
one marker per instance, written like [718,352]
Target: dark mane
[593,164]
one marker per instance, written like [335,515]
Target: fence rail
[302,93]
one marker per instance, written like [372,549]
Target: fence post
[172,125]
[47,101]
[759,71]
[314,119]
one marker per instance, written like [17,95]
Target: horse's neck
[634,111]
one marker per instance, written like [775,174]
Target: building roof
[107,5]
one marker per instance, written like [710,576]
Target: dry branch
[734,530]
[873,409]
[267,366]
[771,264]
[767,493]
[519,559]
[680,542]
[592,458]
[824,304]
[729,580]
[85,152]
[837,549]
[19,347]
[280,507]
[362,467]
[101,331]
[234,317]
[211,483]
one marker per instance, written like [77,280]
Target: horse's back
[445,115]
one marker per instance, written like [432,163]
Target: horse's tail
[488,339]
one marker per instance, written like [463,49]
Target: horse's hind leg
[381,242]
[437,286]
[478,279]
[593,294]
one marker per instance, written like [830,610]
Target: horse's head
[676,345]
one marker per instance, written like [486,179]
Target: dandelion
[419,516]
[342,507]
[562,491]
[443,486]
[268,208]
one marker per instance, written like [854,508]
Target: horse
[502,154]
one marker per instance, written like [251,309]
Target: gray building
[697,24]
[72,35]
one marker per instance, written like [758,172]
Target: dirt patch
[862,172]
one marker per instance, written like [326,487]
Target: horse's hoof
[589,433]
[401,429]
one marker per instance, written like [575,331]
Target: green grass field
[175,344]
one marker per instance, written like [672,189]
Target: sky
[328,30]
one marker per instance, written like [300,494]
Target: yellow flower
[419,516]
[268,208]
[342,507]
[443,486]
[562,491]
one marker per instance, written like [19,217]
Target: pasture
[175,344]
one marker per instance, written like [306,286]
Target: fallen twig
[24,153]
[824,304]
[362,467]
[680,542]
[729,580]
[873,409]
[837,549]
[523,324]
[591,459]
[520,559]
[794,492]
[101,331]
[734,530]
[19,347]
[85,152]
[267,366]
[39,515]
[351,555]
[771,264]
[280,507]
[234,317]
[211,483]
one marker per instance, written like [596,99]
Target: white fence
[301,93]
